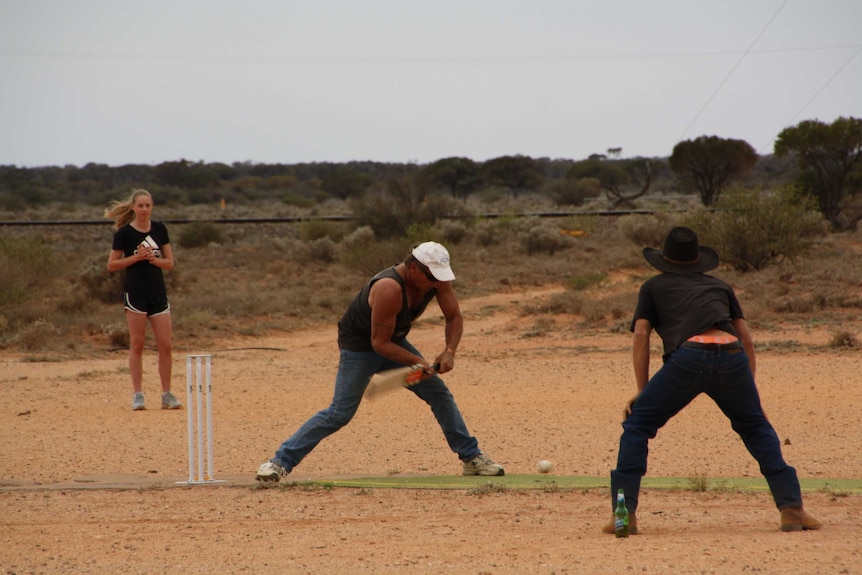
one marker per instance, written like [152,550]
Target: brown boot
[797,519]
[633,525]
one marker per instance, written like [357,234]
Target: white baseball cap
[436,258]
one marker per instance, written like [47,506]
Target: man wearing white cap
[372,337]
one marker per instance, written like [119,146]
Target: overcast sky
[283,81]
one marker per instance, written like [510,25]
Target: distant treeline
[185,182]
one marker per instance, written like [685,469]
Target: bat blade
[391,380]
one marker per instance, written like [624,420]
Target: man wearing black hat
[707,349]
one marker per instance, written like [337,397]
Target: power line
[816,94]
[732,70]
[823,87]
[539,59]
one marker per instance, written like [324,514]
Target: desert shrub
[584,281]
[200,234]
[322,250]
[73,302]
[295,198]
[422,232]
[844,339]
[453,232]
[36,335]
[597,311]
[311,230]
[587,224]
[382,214]
[536,236]
[118,336]
[559,303]
[100,284]
[369,256]
[488,232]
[754,229]
[26,264]
[362,237]
[646,231]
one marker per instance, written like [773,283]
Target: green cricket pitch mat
[551,482]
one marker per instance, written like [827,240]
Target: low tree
[518,173]
[185,174]
[573,192]
[460,176]
[344,184]
[829,156]
[617,178]
[390,209]
[707,164]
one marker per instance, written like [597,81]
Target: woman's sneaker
[170,402]
[138,402]
[270,471]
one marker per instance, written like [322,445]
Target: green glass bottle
[621,516]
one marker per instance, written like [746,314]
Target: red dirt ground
[88,486]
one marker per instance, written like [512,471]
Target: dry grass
[264,277]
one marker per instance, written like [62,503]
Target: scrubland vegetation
[785,226]
[56,298]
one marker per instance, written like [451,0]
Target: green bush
[757,228]
[201,234]
[419,233]
[572,192]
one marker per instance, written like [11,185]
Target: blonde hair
[121,210]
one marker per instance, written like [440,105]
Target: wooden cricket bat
[393,379]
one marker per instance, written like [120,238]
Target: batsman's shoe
[609,527]
[138,402]
[797,519]
[270,471]
[482,465]
[170,402]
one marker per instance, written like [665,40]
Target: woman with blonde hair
[142,248]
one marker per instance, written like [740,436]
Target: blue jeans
[726,377]
[354,371]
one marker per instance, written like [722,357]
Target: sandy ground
[88,486]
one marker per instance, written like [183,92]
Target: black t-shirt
[680,305]
[354,327]
[142,277]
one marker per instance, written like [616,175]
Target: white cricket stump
[199,384]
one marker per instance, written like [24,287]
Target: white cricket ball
[544,466]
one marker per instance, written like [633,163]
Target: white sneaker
[138,401]
[270,471]
[170,402]
[482,465]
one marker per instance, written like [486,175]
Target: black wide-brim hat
[682,254]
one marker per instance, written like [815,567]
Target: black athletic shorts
[148,304]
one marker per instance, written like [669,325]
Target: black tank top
[354,327]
